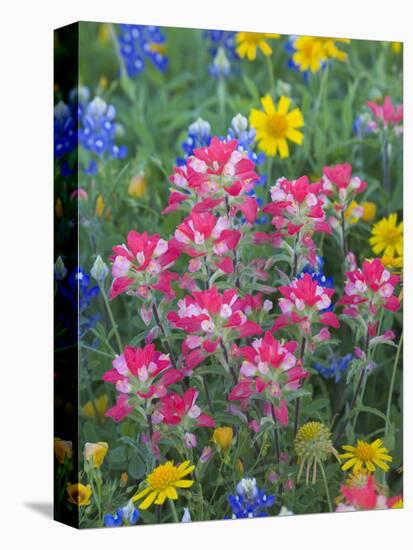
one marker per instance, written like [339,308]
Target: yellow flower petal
[148,500]
[295,136]
[295,118]
[171,493]
[283,147]
[283,105]
[141,494]
[184,483]
[347,465]
[268,104]
[161,497]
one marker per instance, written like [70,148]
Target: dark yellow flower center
[364,451]
[277,125]
[163,476]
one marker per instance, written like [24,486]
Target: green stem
[330,506]
[392,381]
[271,76]
[173,510]
[112,320]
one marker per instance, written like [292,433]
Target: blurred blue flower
[65,134]
[97,129]
[199,135]
[250,501]
[222,48]
[140,42]
[128,515]
[337,367]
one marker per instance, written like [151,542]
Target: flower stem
[271,76]
[161,328]
[298,400]
[173,511]
[386,165]
[112,320]
[343,231]
[330,506]
[392,381]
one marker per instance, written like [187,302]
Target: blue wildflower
[65,134]
[128,515]
[250,501]
[222,48]
[97,129]
[138,43]
[199,135]
[336,369]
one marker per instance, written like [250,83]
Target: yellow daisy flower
[162,483]
[79,494]
[387,237]
[309,54]
[275,126]
[395,264]
[366,455]
[331,50]
[248,42]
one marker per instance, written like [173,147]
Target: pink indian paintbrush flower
[203,235]
[340,185]
[138,375]
[361,493]
[142,265]
[176,409]
[269,369]
[369,289]
[208,318]
[216,174]
[386,114]
[297,209]
[305,302]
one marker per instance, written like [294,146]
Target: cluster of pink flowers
[340,186]
[220,299]
[269,369]
[297,208]
[363,493]
[142,265]
[387,114]
[139,374]
[210,318]
[203,235]
[214,175]
[369,289]
[304,302]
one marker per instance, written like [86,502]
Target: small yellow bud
[239,466]
[369,211]
[62,449]
[79,494]
[58,208]
[137,186]
[96,452]
[100,206]
[124,478]
[222,437]
[103,82]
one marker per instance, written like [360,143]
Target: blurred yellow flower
[395,264]
[62,449]
[137,186]
[387,237]
[248,42]
[353,213]
[331,49]
[239,466]
[103,34]
[222,437]
[275,126]
[124,478]
[369,211]
[79,494]
[100,206]
[103,82]
[96,452]
[309,54]
[58,208]
[101,406]
[396,47]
